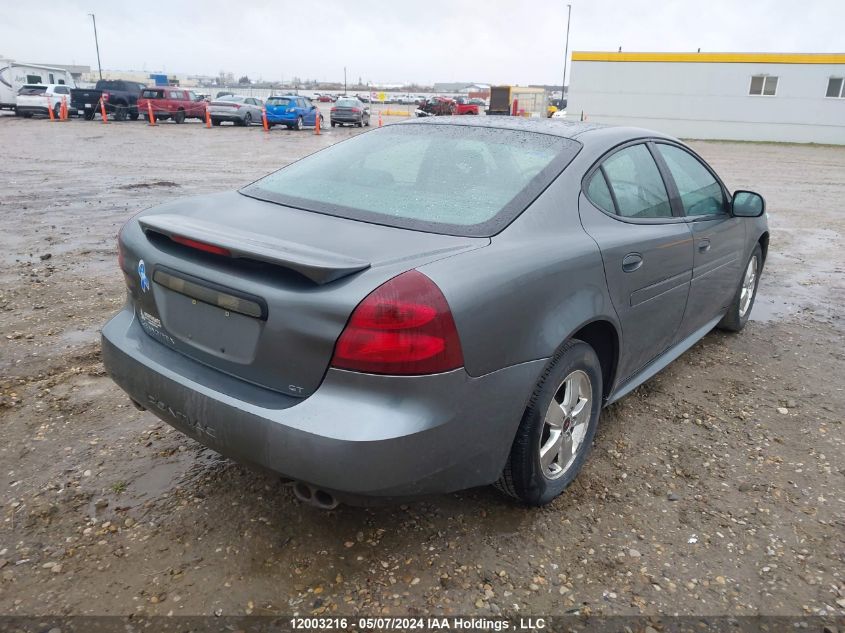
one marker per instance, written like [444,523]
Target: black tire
[57,110]
[88,116]
[360,123]
[179,117]
[133,114]
[298,125]
[215,122]
[333,124]
[523,476]
[120,112]
[367,121]
[247,120]
[734,319]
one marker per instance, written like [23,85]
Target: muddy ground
[716,488]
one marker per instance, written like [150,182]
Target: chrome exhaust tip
[314,496]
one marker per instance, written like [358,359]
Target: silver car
[237,109]
[432,305]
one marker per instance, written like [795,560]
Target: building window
[763,85]
[33,79]
[836,87]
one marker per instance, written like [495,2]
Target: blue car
[293,111]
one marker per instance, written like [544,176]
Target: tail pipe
[314,496]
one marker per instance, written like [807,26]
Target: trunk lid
[259,290]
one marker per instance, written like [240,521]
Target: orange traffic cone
[150,115]
[317,125]
[207,116]
[264,119]
[379,118]
[50,108]
[103,111]
[64,113]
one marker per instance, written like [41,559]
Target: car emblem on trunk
[145,283]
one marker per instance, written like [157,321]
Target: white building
[788,97]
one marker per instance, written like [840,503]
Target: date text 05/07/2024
[452,623]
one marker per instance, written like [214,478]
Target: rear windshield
[458,180]
[32,90]
[237,98]
[153,94]
[280,101]
[347,103]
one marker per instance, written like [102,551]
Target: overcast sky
[494,41]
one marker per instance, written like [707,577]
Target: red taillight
[333,109]
[403,327]
[105,96]
[356,110]
[201,246]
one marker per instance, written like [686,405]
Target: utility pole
[97,44]
[566,53]
[344,81]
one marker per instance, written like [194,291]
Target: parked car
[347,306]
[463,106]
[41,99]
[120,98]
[326,98]
[237,109]
[437,106]
[177,104]
[293,111]
[349,111]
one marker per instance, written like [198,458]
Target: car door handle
[704,245]
[631,262]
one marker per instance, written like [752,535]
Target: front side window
[835,87]
[763,85]
[636,183]
[152,94]
[175,94]
[701,193]
[457,180]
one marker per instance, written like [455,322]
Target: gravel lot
[716,488]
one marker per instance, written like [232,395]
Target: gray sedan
[433,305]
[238,109]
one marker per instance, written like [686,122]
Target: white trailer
[14,75]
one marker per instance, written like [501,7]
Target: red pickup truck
[171,103]
[463,106]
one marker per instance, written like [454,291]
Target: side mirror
[747,204]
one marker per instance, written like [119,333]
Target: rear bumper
[226,116]
[359,435]
[347,118]
[31,109]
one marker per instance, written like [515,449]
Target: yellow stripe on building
[719,58]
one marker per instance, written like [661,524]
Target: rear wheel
[215,122]
[133,114]
[88,116]
[557,428]
[247,121]
[740,310]
[57,110]
[120,112]
[298,123]
[333,124]
[179,117]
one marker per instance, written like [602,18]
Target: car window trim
[599,164]
[725,193]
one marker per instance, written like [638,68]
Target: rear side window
[701,193]
[636,183]
[176,94]
[599,193]
[33,90]
[458,180]
[152,94]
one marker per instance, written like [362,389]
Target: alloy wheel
[749,281]
[565,425]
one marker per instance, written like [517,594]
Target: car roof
[584,131]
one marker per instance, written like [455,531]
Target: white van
[16,75]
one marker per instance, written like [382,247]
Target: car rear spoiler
[318,265]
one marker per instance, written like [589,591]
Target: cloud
[497,41]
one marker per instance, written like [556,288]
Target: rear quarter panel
[537,283]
